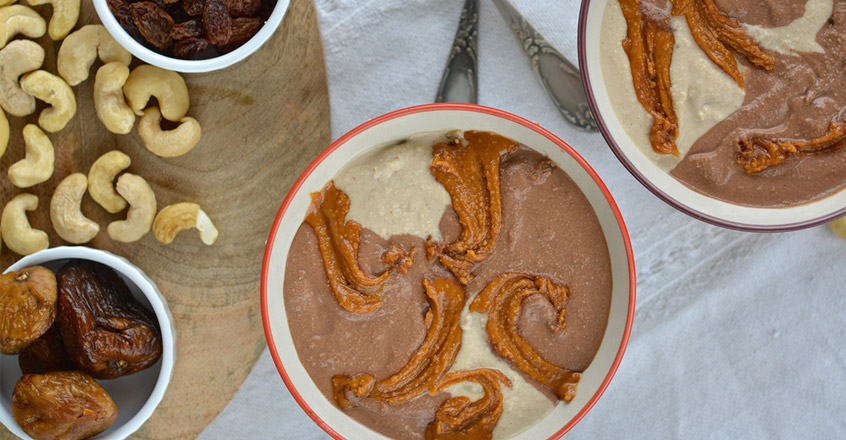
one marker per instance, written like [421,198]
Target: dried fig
[27,307]
[107,333]
[62,405]
[46,354]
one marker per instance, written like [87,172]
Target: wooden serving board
[263,121]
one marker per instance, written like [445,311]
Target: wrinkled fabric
[737,335]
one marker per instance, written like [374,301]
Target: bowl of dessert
[733,112]
[192,35]
[86,345]
[448,270]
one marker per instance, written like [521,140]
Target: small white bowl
[190,66]
[661,183]
[442,117]
[136,395]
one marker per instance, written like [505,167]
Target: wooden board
[263,121]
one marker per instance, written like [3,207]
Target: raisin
[194,7]
[120,9]
[217,22]
[107,333]
[243,8]
[242,30]
[46,354]
[189,47]
[187,29]
[62,405]
[27,307]
[153,22]
[267,7]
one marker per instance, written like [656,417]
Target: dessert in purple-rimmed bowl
[751,141]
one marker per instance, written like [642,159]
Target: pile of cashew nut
[120,95]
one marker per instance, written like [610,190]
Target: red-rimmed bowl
[441,117]
[644,168]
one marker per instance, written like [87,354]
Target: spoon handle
[558,75]
[461,77]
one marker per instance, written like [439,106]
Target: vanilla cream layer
[522,404]
[392,191]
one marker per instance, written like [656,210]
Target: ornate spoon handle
[461,76]
[558,75]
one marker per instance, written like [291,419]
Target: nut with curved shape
[142,209]
[65,212]
[17,58]
[37,166]
[6,2]
[108,98]
[81,48]
[54,91]
[168,87]
[17,233]
[65,16]
[170,143]
[101,179]
[181,216]
[19,19]
[4,132]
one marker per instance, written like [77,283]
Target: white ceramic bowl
[438,117]
[190,66]
[136,395]
[658,181]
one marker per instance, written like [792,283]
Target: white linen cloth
[736,335]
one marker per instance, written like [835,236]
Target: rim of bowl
[159,304]
[621,156]
[191,66]
[469,108]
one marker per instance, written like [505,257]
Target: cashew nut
[168,87]
[19,19]
[142,209]
[6,2]
[37,166]
[81,48]
[65,212]
[54,91]
[65,15]
[108,98]
[4,132]
[17,58]
[17,233]
[100,178]
[169,143]
[181,216]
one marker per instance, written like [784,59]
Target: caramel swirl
[460,418]
[433,358]
[502,300]
[759,152]
[470,174]
[649,46]
[713,31]
[338,241]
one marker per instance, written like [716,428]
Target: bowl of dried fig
[86,345]
[191,35]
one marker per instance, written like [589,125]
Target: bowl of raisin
[191,35]
[86,346]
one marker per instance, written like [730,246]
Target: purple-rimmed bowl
[661,183]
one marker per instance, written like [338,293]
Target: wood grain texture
[263,121]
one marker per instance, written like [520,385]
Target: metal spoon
[558,75]
[461,76]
